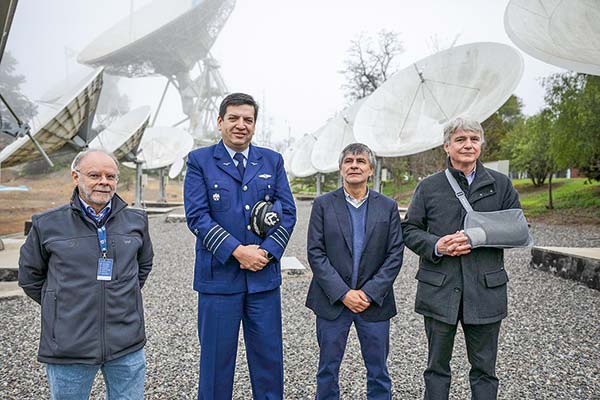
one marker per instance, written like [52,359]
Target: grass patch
[566,194]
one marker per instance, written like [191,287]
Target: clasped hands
[356,300]
[456,244]
[251,257]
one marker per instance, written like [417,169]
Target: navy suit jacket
[218,203]
[329,250]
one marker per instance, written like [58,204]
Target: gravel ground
[549,345]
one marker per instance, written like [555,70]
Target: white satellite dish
[288,155]
[406,114]
[170,38]
[300,165]
[163,37]
[161,147]
[561,33]
[333,137]
[123,136]
[70,112]
[176,168]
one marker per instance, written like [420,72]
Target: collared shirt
[232,152]
[92,213]
[354,202]
[471,176]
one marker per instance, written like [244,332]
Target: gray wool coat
[478,278]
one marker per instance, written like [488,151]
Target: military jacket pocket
[219,197]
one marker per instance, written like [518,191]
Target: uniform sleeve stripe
[219,236]
[208,233]
[219,244]
[283,239]
[281,227]
[283,233]
[277,241]
[214,237]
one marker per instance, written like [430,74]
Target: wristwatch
[267,254]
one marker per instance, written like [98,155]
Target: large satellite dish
[300,165]
[68,114]
[169,38]
[163,37]
[406,114]
[337,134]
[162,146]
[562,33]
[123,136]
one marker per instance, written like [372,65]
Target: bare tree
[370,62]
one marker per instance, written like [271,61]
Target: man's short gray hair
[358,148]
[463,124]
[83,154]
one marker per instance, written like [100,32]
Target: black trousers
[482,348]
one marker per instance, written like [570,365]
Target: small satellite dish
[7,12]
[123,136]
[161,147]
[406,114]
[561,33]
[300,165]
[333,137]
[287,155]
[176,168]
[163,37]
[69,115]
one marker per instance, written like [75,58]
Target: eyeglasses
[98,177]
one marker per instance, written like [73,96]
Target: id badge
[105,266]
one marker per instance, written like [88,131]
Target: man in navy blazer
[355,251]
[237,272]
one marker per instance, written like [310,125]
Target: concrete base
[159,204]
[292,266]
[578,264]
[156,210]
[10,289]
[175,218]
[9,259]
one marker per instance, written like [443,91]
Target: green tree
[574,100]
[10,88]
[497,126]
[526,146]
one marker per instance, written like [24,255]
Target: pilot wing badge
[264,176]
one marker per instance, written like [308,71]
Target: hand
[251,257]
[454,245]
[356,300]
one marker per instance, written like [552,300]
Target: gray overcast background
[287,54]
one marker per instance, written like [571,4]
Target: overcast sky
[287,54]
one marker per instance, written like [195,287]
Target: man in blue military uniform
[237,272]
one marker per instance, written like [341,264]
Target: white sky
[286,54]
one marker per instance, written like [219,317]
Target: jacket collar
[117,203]
[343,216]
[482,176]
[225,163]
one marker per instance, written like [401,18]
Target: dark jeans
[482,348]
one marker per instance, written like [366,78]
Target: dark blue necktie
[239,157]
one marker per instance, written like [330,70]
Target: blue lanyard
[102,241]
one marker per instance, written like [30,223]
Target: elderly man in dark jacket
[457,283]
[85,263]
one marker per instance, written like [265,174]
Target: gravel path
[549,345]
